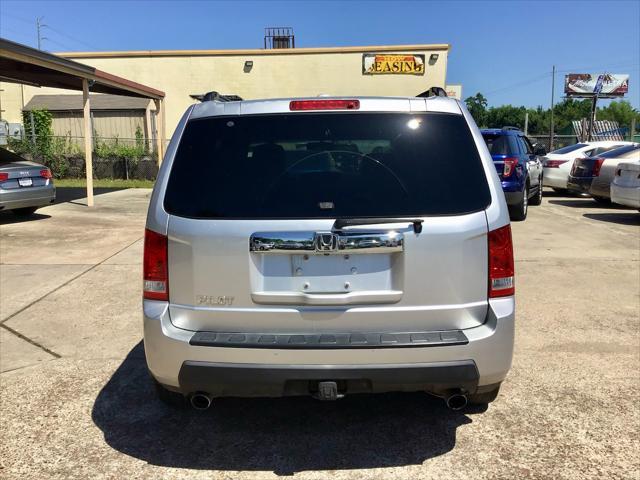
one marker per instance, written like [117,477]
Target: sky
[503,49]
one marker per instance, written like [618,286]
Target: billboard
[454,91]
[394,64]
[589,84]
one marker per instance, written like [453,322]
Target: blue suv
[519,168]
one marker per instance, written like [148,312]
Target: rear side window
[326,165]
[569,148]
[501,144]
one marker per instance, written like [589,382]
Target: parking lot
[76,401]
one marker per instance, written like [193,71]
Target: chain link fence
[113,158]
[560,141]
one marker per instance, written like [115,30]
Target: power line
[60,44]
[52,29]
[602,67]
[73,38]
[546,75]
[520,84]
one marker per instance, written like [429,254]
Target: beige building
[392,70]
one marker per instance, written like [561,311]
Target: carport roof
[22,64]
[56,103]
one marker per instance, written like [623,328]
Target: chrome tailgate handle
[326,242]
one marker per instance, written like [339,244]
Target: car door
[534,166]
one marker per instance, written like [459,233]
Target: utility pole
[39,27]
[553,87]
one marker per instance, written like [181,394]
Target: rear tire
[168,397]
[24,212]
[602,200]
[537,198]
[518,212]
[483,398]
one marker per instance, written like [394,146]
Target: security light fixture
[433,58]
[248,65]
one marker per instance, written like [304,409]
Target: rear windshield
[570,148]
[501,144]
[326,165]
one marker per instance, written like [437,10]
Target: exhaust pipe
[200,400]
[456,401]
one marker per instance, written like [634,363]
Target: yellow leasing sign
[396,64]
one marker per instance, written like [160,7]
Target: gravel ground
[75,401]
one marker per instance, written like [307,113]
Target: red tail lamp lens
[4,176]
[509,166]
[46,173]
[597,165]
[501,267]
[155,266]
[324,105]
[554,163]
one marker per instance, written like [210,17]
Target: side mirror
[539,149]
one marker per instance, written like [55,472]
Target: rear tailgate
[254,250]
[436,281]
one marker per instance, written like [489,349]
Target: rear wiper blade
[340,223]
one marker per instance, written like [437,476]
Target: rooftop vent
[279,37]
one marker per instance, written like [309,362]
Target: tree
[621,112]
[477,106]
[506,115]
[564,113]
[568,110]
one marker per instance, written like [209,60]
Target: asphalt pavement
[75,400]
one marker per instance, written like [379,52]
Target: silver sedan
[25,186]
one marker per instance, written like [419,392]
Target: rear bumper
[554,178]
[27,197]
[513,198]
[246,380]
[483,360]
[628,196]
[579,184]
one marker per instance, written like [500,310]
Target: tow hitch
[327,391]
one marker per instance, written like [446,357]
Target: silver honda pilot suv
[328,246]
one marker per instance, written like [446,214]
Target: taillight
[4,176]
[155,266]
[46,173]
[509,166]
[324,105]
[574,167]
[501,269]
[554,163]
[597,165]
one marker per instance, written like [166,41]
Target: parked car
[336,254]
[625,188]
[593,175]
[557,164]
[24,186]
[517,162]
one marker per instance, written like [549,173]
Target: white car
[625,188]
[557,164]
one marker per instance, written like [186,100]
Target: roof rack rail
[215,97]
[509,127]
[433,92]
